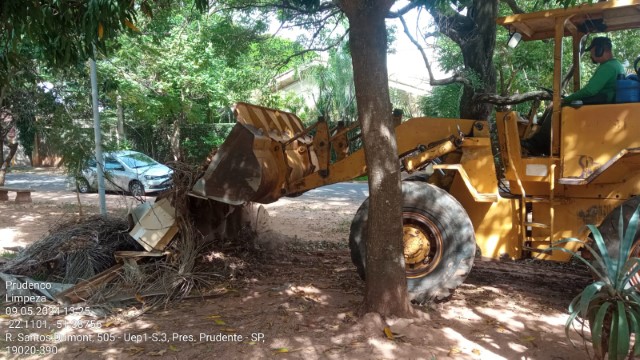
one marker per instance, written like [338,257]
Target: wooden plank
[121,255]
[83,289]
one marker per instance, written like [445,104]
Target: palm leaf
[608,264]
[572,317]
[594,253]
[586,297]
[634,295]
[622,332]
[626,237]
[634,324]
[596,328]
[613,336]
[631,269]
[626,242]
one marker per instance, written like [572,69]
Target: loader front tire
[439,241]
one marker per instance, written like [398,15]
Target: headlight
[151,177]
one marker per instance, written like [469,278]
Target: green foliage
[68,130]
[520,70]
[569,3]
[199,140]
[336,98]
[405,101]
[610,305]
[64,31]
[288,101]
[180,76]
[8,255]
[29,105]
[443,101]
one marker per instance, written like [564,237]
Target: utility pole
[98,136]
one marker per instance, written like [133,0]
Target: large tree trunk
[475,34]
[386,285]
[477,53]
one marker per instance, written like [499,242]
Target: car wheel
[83,185]
[136,188]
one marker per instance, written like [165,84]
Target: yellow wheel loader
[464,209]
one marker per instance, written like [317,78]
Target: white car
[129,171]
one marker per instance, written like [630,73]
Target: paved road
[355,192]
[44,181]
[39,181]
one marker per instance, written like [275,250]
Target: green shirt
[602,82]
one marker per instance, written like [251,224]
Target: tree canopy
[173,76]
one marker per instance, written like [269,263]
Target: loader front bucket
[236,175]
[252,165]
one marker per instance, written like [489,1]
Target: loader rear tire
[439,241]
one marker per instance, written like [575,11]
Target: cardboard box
[155,225]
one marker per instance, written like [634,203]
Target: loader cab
[590,144]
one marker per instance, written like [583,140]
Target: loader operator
[601,89]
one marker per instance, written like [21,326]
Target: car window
[137,160]
[111,164]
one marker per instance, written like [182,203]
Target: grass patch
[8,255]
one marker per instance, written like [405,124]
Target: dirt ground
[300,302]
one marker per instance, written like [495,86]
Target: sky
[405,64]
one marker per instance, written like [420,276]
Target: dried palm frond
[73,250]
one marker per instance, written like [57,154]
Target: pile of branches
[73,250]
[206,256]
[210,251]
[183,274]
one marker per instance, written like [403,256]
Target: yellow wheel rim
[422,244]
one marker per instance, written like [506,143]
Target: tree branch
[396,14]
[284,5]
[496,99]
[456,78]
[320,20]
[451,25]
[513,6]
[308,50]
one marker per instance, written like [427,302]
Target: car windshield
[137,160]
